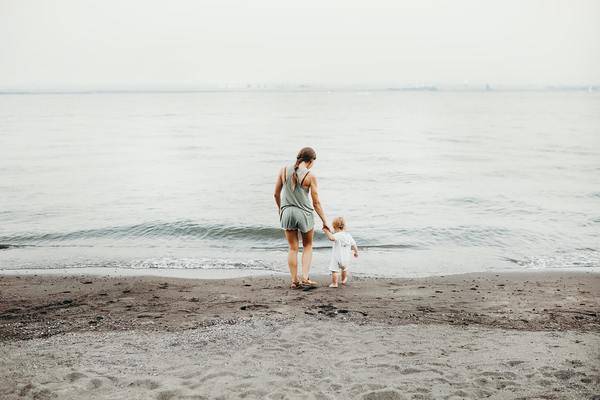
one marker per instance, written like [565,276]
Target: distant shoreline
[427,88]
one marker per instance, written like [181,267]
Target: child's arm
[354,248]
[328,234]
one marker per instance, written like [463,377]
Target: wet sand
[497,336]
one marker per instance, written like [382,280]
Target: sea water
[428,182]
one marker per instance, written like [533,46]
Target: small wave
[389,246]
[178,229]
[583,258]
[466,200]
[258,235]
[587,249]
[464,235]
[9,246]
[360,247]
[194,263]
[161,263]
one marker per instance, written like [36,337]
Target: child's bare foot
[334,280]
[344,277]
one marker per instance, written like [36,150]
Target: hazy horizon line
[301,87]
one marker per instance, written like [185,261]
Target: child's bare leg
[334,279]
[344,276]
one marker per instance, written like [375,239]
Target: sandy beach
[166,166]
[496,336]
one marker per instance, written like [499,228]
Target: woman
[296,211]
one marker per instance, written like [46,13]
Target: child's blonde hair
[339,223]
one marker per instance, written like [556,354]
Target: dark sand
[497,336]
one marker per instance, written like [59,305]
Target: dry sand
[505,336]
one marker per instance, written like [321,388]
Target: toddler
[343,246]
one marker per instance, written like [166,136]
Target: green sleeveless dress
[297,212]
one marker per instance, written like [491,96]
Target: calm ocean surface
[429,182]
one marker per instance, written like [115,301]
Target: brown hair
[306,154]
[339,223]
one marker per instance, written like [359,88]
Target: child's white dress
[341,253]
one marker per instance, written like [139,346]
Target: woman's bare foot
[333,285]
[295,285]
[308,282]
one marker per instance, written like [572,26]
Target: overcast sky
[177,43]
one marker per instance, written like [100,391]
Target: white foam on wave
[189,273]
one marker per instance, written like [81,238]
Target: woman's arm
[314,192]
[277,193]
[328,234]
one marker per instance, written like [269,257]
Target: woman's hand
[328,233]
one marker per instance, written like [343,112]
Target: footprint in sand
[43,394]
[499,375]
[383,395]
[576,363]
[422,390]
[166,395]
[95,383]
[409,371]
[482,381]
[254,307]
[280,395]
[514,363]
[565,374]
[361,388]
[75,376]
[253,394]
[210,377]
[146,384]
[480,393]
[461,393]
[25,389]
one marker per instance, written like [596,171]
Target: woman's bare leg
[292,238]
[307,240]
